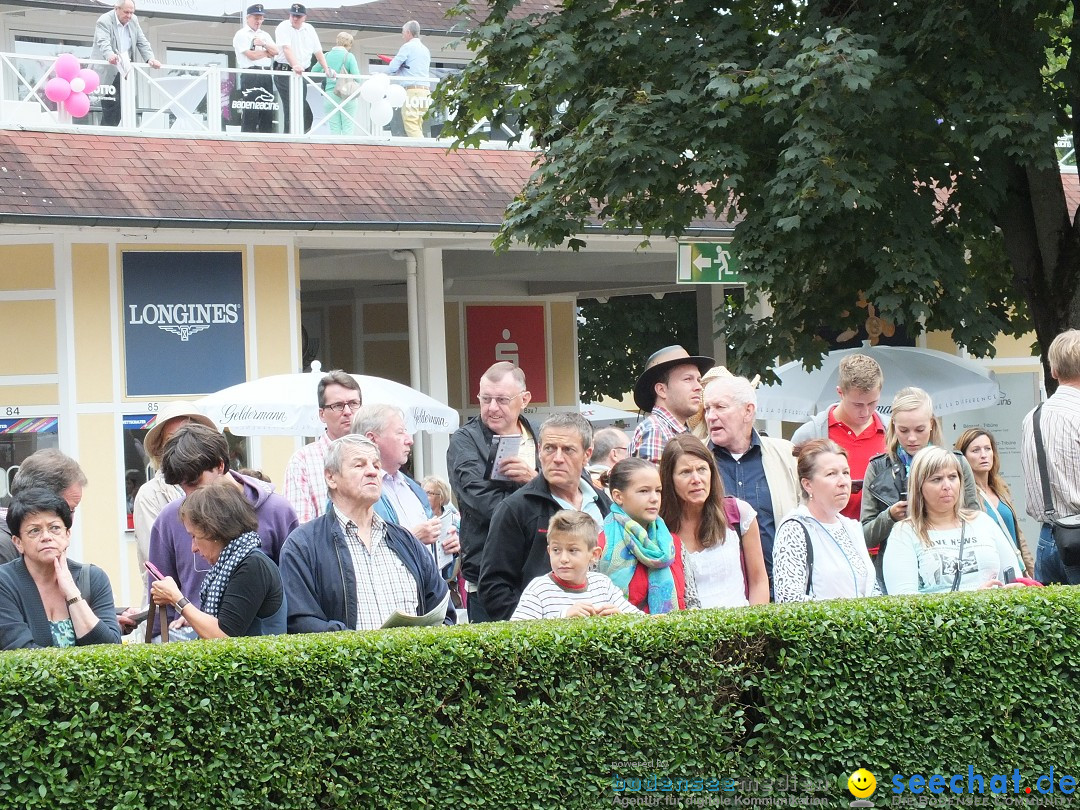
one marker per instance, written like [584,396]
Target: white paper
[506,447]
[430,619]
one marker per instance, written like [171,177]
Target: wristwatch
[74,599]
[183,603]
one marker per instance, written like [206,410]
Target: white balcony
[210,101]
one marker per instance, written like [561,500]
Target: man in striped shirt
[305,482]
[1059,424]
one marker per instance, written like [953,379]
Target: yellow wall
[94,349]
[454,359]
[563,353]
[27,267]
[19,322]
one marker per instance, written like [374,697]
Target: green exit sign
[708,263]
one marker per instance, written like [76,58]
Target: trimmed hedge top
[547,714]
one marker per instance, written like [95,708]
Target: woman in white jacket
[818,553]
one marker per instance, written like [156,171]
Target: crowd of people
[293,48]
[858,505]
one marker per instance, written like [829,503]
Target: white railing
[208,99]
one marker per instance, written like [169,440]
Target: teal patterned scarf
[626,544]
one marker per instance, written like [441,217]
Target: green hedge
[544,714]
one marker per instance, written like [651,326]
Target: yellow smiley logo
[861,783]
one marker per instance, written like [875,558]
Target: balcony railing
[213,100]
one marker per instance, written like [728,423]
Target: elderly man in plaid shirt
[669,391]
[305,482]
[349,569]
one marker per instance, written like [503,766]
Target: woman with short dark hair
[241,594]
[47,600]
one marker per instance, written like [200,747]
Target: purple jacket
[170,543]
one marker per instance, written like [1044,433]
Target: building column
[710,297]
[431,309]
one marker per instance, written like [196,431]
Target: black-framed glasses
[337,407]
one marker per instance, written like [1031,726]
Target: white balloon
[77,85]
[396,95]
[372,90]
[381,113]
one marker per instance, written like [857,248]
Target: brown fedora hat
[660,362]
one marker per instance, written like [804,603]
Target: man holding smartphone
[853,422]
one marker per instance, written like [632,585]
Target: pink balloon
[67,66]
[57,89]
[91,79]
[78,104]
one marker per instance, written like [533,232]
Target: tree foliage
[616,337]
[899,149]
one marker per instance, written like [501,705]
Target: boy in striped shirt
[571,589]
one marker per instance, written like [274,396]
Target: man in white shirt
[255,50]
[297,42]
[413,60]
[1059,424]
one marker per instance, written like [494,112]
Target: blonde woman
[942,546]
[912,427]
[343,63]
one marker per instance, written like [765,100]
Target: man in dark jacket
[516,548]
[479,487]
[349,569]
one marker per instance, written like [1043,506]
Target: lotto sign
[708,263]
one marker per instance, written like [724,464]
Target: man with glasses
[194,457]
[479,486]
[305,482]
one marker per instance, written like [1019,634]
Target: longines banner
[183,322]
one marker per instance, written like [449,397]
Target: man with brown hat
[669,391]
[155,494]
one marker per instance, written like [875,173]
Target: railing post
[296,104]
[213,99]
[128,113]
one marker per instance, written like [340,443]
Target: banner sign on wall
[1019,394]
[512,333]
[183,322]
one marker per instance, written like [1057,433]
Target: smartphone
[1009,576]
[135,617]
[903,494]
[154,572]
[856,485]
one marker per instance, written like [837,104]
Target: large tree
[897,149]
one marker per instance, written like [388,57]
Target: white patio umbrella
[287,405]
[955,383]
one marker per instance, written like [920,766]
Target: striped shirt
[1059,423]
[383,583]
[305,479]
[544,599]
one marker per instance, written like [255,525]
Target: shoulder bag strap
[809,557]
[960,556]
[1044,473]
